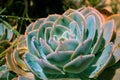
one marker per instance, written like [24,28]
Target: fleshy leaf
[39,48]
[29,28]
[59,58]
[88,10]
[102,61]
[53,43]
[52,18]
[76,32]
[33,65]
[45,47]
[83,48]
[30,44]
[98,43]
[116,18]
[68,11]
[47,34]
[78,64]
[58,30]
[117,40]
[79,18]
[13,67]
[19,61]
[41,29]
[116,54]
[111,73]
[91,25]
[63,20]
[108,30]
[49,68]
[37,23]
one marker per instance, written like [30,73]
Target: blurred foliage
[20,13]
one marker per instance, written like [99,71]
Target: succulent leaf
[37,23]
[103,60]
[34,66]
[49,68]
[83,61]
[98,43]
[108,30]
[59,58]
[90,20]
[82,48]
[45,47]
[52,18]
[41,29]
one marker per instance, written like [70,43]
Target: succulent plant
[77,44]
[6,36]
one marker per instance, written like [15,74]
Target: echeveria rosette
[79,44]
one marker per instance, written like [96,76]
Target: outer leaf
[78,64]
[67,12]
[98,43]
[12,66]
[116,18]
[111,73]
[19,61]
[39,49]
[37,23]
[29,28]
[30,44]
[117,40]
[116,54]
[108,30]
[63,20]
[49,68]
[89,10]
[33,65]
[79,18]
[52,18]
[102,61]
[91,25]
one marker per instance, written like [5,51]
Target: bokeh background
[20,13]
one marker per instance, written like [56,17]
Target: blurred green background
[20,13]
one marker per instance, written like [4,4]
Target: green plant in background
[6,37]
[79,44]
[7,41]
